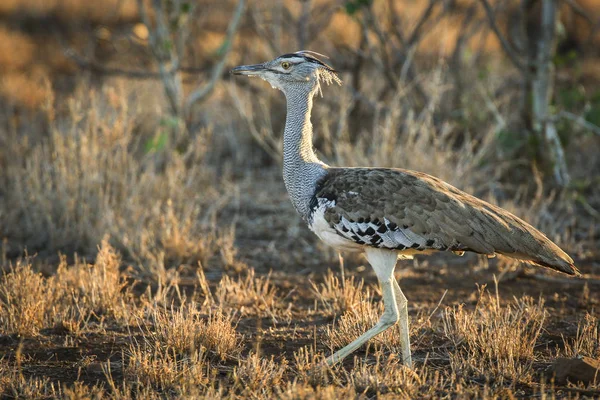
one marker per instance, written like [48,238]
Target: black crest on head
[310,56]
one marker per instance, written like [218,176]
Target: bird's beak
[249,70]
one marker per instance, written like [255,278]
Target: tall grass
[94,172]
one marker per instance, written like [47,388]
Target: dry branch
[577,9]
[165,54]
[303,24]
[201,93]
[578,119]
[97,68]
[506,46]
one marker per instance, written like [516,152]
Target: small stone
[583,369]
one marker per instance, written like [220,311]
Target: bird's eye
[285,65]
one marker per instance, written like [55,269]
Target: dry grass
[178,348]
[86,179]
[586,341]
[168,262]
[197,350]
[494,340]
[165,370]
[357,321]
[99,288]
[23,299]
[185,331]
[308,365]
[338,296]
[256,375]
[74,297]
[16,385]
[390,376]
[248,294]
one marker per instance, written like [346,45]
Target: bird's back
[413,212]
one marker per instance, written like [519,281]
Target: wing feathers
[401,209]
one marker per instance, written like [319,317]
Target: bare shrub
[494,339]
[401,135]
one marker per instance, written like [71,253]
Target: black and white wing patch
[348,234]
[381,234]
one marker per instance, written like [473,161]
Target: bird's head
[292,72]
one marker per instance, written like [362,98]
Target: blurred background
[119,119]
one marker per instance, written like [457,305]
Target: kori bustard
[386,213]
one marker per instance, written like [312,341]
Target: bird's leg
[388,318]
[402,305]
[383,262]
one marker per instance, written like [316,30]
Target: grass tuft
[185,331]
[23,301]
[259,375]
[337,296]
[248,294]
[495,340]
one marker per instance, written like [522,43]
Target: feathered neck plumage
[298,134]
[301,166]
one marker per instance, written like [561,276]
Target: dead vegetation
[337,295]
[144,256]
[493,340]
[73,298]
[164,343]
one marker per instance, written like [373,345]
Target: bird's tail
[548,255]
[560,265]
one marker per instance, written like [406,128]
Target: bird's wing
[400,209]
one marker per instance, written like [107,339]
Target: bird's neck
[301,166]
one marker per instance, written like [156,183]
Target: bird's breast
[319,225]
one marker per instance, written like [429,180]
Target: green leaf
[510,141]
[593,115]
[169,122]
[167,45]
[157,143]
[353,6]
[572,97]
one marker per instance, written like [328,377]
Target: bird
[386,213]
